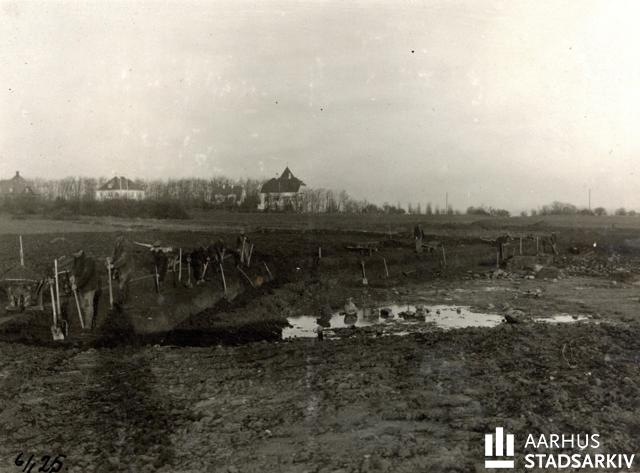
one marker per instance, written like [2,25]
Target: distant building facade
[282,193]
[15,186]
[120,187]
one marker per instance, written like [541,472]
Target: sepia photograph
[319,236]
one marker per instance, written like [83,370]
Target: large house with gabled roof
[282,193]
[120,187]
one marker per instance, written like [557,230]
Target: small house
[15,186]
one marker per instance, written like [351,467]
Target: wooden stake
[21,253]
[520,246]
[75,296]
[156,279]
[319,252]
[386,269]
[204,270]
[249,257]
[444,258]
[53,304]
[56,333]
[245,276]
[224,282]
[268,272]
[537,245]
[180,265]
[110,284]
[364,276]
[55,268]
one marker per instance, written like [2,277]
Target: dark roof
[120,183]
[16,185]
[287,182]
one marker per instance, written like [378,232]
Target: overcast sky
[508,103]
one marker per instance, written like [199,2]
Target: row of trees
[563,208]
[192,192]
[201,193]
[488,211]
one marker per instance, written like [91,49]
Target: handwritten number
[25,467]
[57,464]
[44,461]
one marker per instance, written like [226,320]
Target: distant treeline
[173,198]
[191,193]
[489,211]
[62,209]
[563,208]
[77,195]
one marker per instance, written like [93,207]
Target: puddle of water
[562,318]
[443,316]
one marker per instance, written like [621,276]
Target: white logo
[497,458]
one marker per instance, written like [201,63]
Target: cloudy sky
[508,103]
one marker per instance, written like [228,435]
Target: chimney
[17,173]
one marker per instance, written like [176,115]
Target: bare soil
[359,403]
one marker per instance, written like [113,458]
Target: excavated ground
[357,403]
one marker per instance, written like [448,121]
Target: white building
[120,187]
[281,193]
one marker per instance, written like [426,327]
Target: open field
[236,221]
[357,401]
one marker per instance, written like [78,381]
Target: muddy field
[399,392]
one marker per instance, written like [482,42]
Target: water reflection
[447,317]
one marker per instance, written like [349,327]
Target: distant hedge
[64,209]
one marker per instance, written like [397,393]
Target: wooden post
[520,246]
[245,276]
[224,282]
[386,269]
[249,257]
[537,245]
[497,259]
[364,275]
[75,296]
[21,253]
[189,271]
[55,268]
[268,272]
[156,279]
[319,252]
[180,265]
[204,270]
[444,257]
[110,284]
[53,304]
